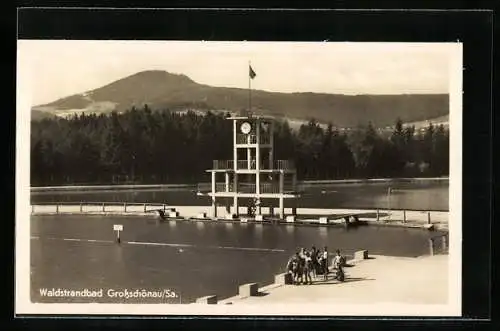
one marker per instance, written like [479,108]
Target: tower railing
[283,165]
[223,164]
[244,164]
[265,188]
[242,139]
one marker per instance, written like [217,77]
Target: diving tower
[253,174]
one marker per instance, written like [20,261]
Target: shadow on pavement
[334,281]
[354,279]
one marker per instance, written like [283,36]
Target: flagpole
[249,90]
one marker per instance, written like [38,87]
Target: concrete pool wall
[306,216]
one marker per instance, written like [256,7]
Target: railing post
[81,207]
[144,207]
[57,208]
[378,215]
[164,207]
[124,207]
[428,217]
[214,187]
[431,246]
[32,208]
[404,216]
[103,208]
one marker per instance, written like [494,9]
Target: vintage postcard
[238,178]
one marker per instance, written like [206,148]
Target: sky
[59,68]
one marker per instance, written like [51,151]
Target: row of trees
[161,147]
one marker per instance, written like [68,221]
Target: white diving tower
[253,174]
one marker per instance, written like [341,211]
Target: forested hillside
[146,146]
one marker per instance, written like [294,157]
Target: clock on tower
[245,128]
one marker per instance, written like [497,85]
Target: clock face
[246,128]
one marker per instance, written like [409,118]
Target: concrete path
[380,279]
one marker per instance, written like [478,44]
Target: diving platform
[291,195]
[253,173]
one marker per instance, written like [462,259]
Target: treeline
[146,146]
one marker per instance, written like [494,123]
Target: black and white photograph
[238,178]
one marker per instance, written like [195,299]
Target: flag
[251,72]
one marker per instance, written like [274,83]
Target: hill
[163,90]
[37,115]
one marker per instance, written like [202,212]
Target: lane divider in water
[158,244]
[73,239]
[251,249]
[163,244]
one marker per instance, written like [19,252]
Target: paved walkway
[380,279]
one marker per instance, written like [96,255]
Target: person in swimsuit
[338,264]
[308,266]
[324,262]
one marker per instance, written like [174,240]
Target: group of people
[314,262]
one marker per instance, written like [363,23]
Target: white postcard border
[23,305]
